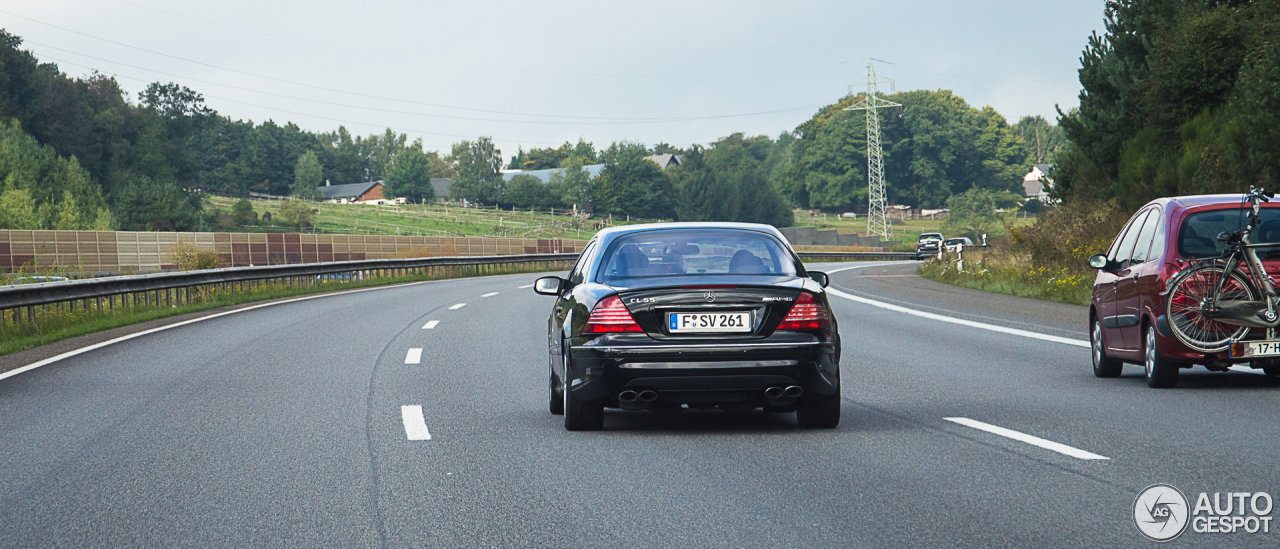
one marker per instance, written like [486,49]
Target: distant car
[953,244]
[849,215]
[928,244]
[698,315]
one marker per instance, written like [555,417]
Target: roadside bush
[1065,237]
[189,258]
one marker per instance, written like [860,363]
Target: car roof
[612,233]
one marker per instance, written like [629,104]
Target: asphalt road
[287,426]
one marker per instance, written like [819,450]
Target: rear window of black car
[1199,234]
[682,252]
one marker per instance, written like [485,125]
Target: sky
[539,73]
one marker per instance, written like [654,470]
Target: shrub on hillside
[1065,237]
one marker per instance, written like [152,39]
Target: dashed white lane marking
[458,306]
[490,294]
[414,356]
[525,286]
[430,325]
[1023,437]
[415,426]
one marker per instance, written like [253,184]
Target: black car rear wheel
[580,415]
[820,413]
[555,391]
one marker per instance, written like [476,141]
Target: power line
[303,84]
[430,115]
[341,121]
[483,67]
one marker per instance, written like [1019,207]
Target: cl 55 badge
[768,299]
[641,300]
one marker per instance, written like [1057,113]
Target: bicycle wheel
[1189,291]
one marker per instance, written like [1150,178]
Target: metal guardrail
[176,285]
[31,295]
[818,256]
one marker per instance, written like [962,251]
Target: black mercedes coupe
[691,315]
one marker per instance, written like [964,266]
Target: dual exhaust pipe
[792,391]
[638,399]
[629,397]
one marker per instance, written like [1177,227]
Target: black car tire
[819,413]
[580,415]
[1161,374]
[1103,365]
[555,391]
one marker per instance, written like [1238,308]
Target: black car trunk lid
[766,305]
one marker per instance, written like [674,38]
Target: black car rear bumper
[703,371]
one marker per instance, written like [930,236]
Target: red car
[1127,315]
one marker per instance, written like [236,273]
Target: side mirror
[1100,262]
[820,277]
[548,285]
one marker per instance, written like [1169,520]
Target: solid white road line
[526,286]
[414,356]
[415,426]
[430,325]
[960,321]
[1023,437]
[490,294]
[458,306]
[1246,370]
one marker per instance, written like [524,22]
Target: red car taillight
[808,313]
[610,317]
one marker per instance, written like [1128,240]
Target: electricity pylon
[877,210]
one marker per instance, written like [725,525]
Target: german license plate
[709,323]
[1242,349]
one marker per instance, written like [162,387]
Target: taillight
[610,317]
[808,313]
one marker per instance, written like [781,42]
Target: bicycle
[1213,303]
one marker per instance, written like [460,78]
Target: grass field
[426,220]
[1011,274]
[908,232]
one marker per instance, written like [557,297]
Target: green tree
[17,209]
[1168,90]
[409,175]
[740,164]
[1043,139]
[297,213]
[477,164]
[976,212]
[632,186]
[68,214]
[103,221]
[527,191]
[308,175]
[703,196]
[572,184]
[242,212]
